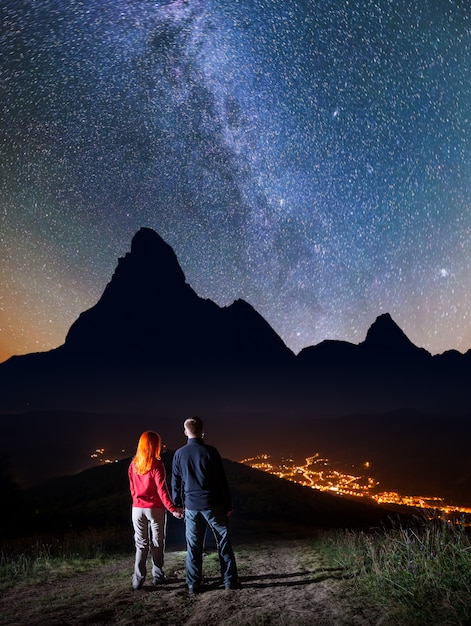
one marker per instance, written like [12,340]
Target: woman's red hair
[148,449]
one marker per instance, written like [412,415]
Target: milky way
[312,158]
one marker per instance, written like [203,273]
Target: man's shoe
[193,590]
[235,585]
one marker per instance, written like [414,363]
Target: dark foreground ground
[283,582]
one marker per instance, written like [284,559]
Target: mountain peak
[147,240]
[147,280]
[149,311]
[385,335]
[149,249]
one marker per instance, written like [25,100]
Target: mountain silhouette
[149,312]
[152,344]
[385,345]
[149,341]
[385,337]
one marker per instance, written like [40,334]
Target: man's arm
[177,488]
[222,484]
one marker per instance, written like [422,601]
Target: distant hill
[100,497]
[407,451]
[151,352]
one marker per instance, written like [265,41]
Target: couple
[199,485]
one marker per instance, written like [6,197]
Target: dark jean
[195,529]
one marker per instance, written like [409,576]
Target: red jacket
[149,491]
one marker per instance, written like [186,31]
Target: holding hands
[179,513]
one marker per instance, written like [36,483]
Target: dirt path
[276,589]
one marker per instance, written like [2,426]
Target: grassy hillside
[100,497]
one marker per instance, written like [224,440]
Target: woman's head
[148,449]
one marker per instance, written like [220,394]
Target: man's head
[193,427]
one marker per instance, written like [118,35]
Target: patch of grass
[46,557]
[419,575]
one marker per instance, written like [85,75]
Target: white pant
[149,534]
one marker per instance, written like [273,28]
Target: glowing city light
[319,473]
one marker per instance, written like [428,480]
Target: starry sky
[311,157]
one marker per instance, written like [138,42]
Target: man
[199,484]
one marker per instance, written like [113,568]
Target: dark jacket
[198,478]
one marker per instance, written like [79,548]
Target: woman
[150,498]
